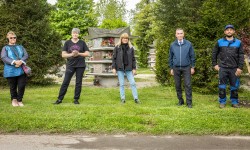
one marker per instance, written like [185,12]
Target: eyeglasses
[12,37]
[125,38]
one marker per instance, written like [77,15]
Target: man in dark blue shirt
[182,63]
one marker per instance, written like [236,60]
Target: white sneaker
[20,104]
[14,103]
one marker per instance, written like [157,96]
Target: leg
[234,85]
[78,85]
[13,87]
[121,83]
[68,75]
[188,86]
[13,90]
[223,77]
[131,80]
[22,80]
[177,79]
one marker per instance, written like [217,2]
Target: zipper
[180,55]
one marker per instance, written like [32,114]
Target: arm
[85,54]
[114,60]
[241,61]
[192,56]
[133,59]
[215,54]
[25,56]
[65,54]
[5,57]
[133,62]
[86,51]
[241,57]
[170,60]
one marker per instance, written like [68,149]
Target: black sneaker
[76,102]
[137,101]
[180,103]
[189,105]
[123,101]
[58,102]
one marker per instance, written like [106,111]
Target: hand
[217,67]
[18,63]
[114,71]
[134,72]
[172,72]
[192,71]
[75,53]
[238,72]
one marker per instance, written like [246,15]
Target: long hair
[124,35]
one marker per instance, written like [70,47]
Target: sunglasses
[12,37]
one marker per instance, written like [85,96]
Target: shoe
[137,101]
[58,102]
[14,103]
[222,105]
[20,104]
[123,101]
[76,102]
[180,103]
[235,106]
[189,105]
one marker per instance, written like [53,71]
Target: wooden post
[247,64]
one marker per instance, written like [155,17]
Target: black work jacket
[229,53]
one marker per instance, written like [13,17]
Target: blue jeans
[131,80]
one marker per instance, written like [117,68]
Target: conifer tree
[29,20]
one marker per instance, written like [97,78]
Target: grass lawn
[100,112]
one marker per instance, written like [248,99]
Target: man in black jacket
[229,51]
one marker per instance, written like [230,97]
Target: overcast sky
[130,3]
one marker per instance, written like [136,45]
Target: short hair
[10,33]
[179,29]
[75,30]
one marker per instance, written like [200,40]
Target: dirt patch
[244,103]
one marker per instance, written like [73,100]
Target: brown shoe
[20,104]
[235,106]
[222,105]
[14,103]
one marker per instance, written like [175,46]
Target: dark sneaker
[58,102]
[137,101]
[76,102]
[222,105]
[235,106]
[180,103]
[123,101]
[189,105]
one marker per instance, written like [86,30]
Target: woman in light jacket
[124,63]
[14,56]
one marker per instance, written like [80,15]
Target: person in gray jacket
[182,63]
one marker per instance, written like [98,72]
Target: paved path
[122,142]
